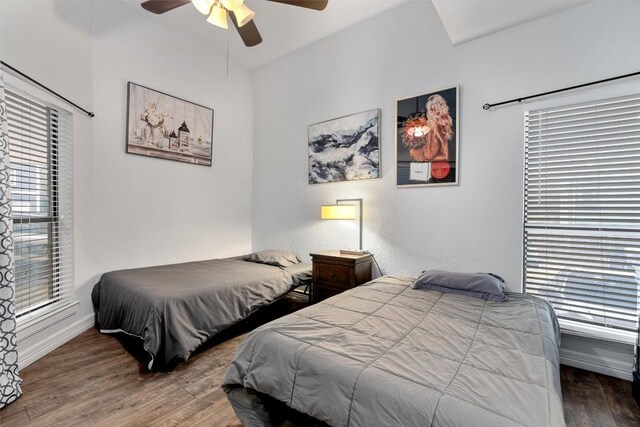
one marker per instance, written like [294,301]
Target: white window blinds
[582,210]
[40,150]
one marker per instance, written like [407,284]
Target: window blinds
[582,210]
[40,150]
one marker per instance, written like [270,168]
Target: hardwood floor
[592,399]
[92,380]
[102,380]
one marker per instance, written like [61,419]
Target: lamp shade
[243,14]
[218,17]
[338,212]
[232,4]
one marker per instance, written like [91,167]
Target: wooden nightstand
[334,273]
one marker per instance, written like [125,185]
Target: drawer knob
[333,274]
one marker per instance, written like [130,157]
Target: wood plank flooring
[592,399]
[93,380]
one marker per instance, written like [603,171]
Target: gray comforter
[383,354]
[175,308]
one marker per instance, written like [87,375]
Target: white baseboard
[610,367]
[51,342]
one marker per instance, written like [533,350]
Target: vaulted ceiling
[469,19]
[285,28]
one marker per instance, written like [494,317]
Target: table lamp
[343,210]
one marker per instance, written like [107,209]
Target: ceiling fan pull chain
[227,54]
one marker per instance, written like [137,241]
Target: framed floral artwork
[164,126]
[427,141]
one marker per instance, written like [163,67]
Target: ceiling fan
[240,14]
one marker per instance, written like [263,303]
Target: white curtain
[10,388]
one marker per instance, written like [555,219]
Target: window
[582,211]
[40,150]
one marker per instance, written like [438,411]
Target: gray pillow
[477,285]
[274,257]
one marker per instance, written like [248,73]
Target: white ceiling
[286,28]
[469,19]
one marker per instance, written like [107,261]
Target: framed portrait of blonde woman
[427,140]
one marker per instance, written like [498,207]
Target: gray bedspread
[383,354]
[175,308]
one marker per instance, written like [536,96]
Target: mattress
[175,308]
[383,354]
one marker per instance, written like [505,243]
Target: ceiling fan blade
[162,6]
[309,4]
[248,32]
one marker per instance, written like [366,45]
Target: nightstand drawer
[334,272]
[335,276]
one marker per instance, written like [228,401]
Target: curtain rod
[20,73]
[487,106]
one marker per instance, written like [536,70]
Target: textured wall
[476,226]
[133,211]
[51,41]
[152,211]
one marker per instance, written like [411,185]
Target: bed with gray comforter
[384,354]
[175,308]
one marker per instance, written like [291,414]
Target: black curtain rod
[487,106]
[88,113]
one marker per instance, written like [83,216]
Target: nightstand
[334,272]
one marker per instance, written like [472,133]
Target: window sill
[30,324]
[597,332]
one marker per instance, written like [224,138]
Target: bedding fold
[387,355]
[175,308]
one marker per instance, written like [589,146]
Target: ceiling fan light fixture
[203,6]
[232,4]
[218,17]
[218,13]
[243,15]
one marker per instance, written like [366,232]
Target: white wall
[130,210]
[476,226]
[151,211]
[134,211]
[51,41]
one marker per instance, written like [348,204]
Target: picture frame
[427,139]
[346,148]
[167,127]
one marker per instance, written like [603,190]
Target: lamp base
[351,252]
